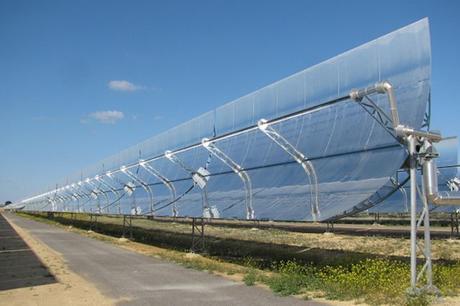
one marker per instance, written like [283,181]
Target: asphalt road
[142,280]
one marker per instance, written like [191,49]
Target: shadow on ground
[19,266]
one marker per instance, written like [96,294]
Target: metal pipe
[413,211]
[381,87]
[430,183]
[403,131]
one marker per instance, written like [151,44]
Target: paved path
[120,273]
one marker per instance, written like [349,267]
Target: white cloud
[107,117]
[122,85]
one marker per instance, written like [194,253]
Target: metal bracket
[172,190]
[243,175]
[307,165]
[144,185]
[204,189]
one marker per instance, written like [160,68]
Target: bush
[293,278]
[250,277]
[376,281]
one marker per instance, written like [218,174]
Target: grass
[375,276]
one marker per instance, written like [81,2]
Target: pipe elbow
[387,85]
[383,87]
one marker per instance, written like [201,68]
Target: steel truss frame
[416,143]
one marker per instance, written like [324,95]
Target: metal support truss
[419,145]
[127,223]
[204,189]
[378,114]
[198,237]
[144,185]
[307,165]
[112,189]
[415,158]
[93,222]
[242,174]
[172,190]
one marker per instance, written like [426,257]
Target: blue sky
[172,60]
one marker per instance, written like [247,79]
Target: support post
[127,222]
[413,212]
[236,168]
[198,237]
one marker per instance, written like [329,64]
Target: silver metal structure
[92,193]
[307,166]
[98,191]
[353,153]
[152,171]
[242,174]
[144,185]
[197,177]
[112,189]
[421,152]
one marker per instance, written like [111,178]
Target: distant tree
[7,203]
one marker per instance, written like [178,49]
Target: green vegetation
[371,277]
